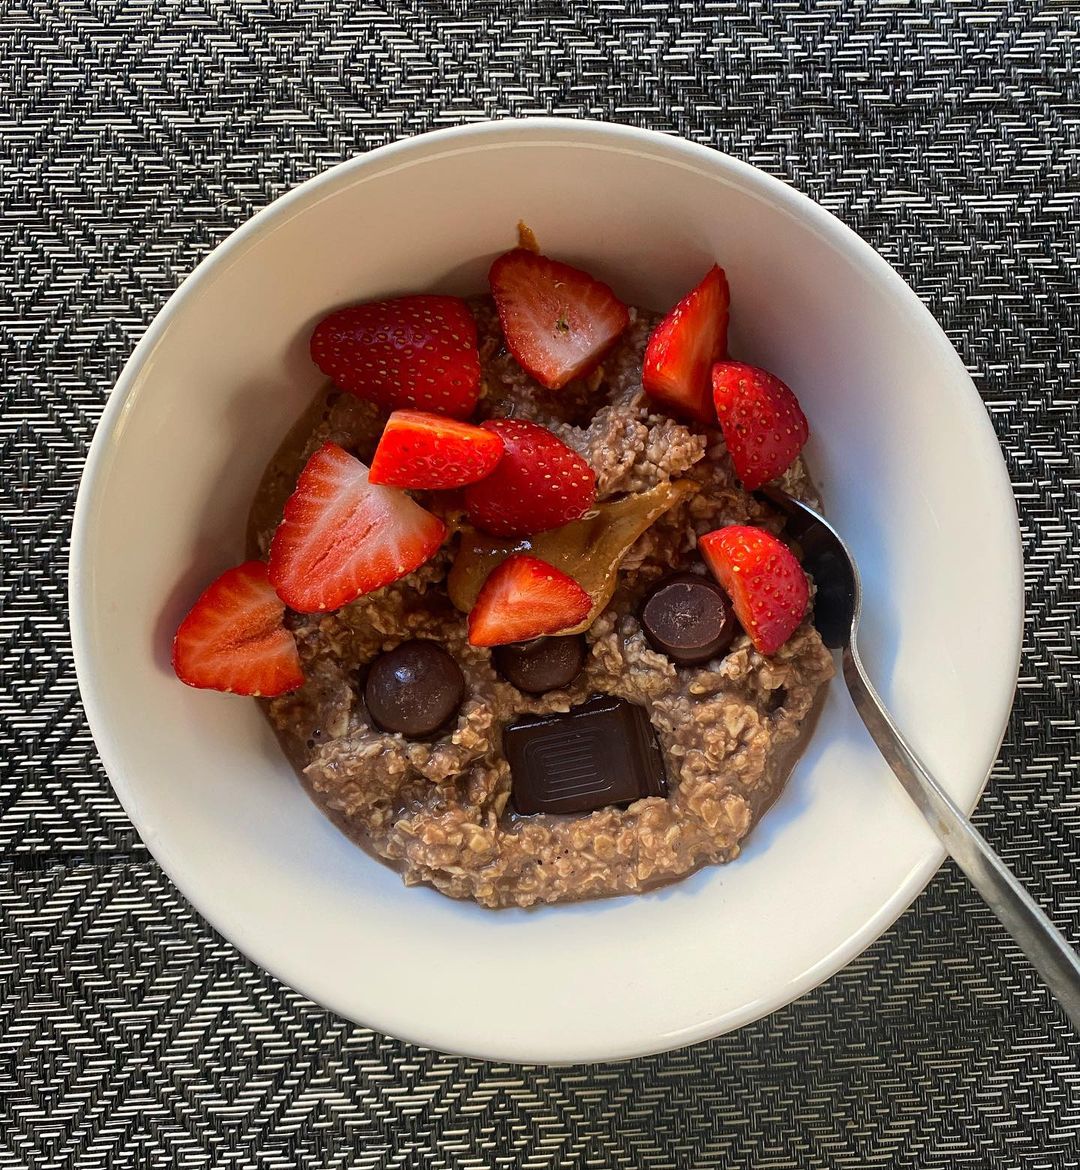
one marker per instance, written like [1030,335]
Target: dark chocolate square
[603,752]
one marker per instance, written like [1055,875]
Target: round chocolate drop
[688,618]
[546,664]
[414,689]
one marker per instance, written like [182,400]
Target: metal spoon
[837,608]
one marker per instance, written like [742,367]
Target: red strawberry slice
[342,536]
[558,321]
[420,450]
[411,352]
[764,426]
[683,347]
[538,484]
[525,598]
[234,638]
[765,582]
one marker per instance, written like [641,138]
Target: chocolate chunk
[688,618]
[600,753]
[546,664]
[414,689]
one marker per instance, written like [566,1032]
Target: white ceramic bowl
[911,473]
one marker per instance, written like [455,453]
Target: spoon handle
[1034,933]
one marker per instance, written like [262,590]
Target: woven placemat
[136,134]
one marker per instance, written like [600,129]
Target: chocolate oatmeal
[439,805]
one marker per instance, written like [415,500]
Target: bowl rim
[466,137]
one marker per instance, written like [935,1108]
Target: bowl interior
[901,448]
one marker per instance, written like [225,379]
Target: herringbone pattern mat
[135,135]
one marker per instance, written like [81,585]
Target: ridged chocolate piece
[603,752]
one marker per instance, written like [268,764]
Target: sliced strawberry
[420,450]
[558,321]
[343,536]
[234,638]
[764,426]
[525,598]
[415,352]
[538,484]
[765,582]
[683,347]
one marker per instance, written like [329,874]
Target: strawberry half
[764,426]
[683,347]
[539,483]
[234,638]
[558,321]
[411,352]
[765,582]
[428,451]
[525,598]
[342,536]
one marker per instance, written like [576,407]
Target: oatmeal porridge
[446,801]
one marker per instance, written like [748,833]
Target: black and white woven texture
[136,134]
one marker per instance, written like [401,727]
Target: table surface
[136,134]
